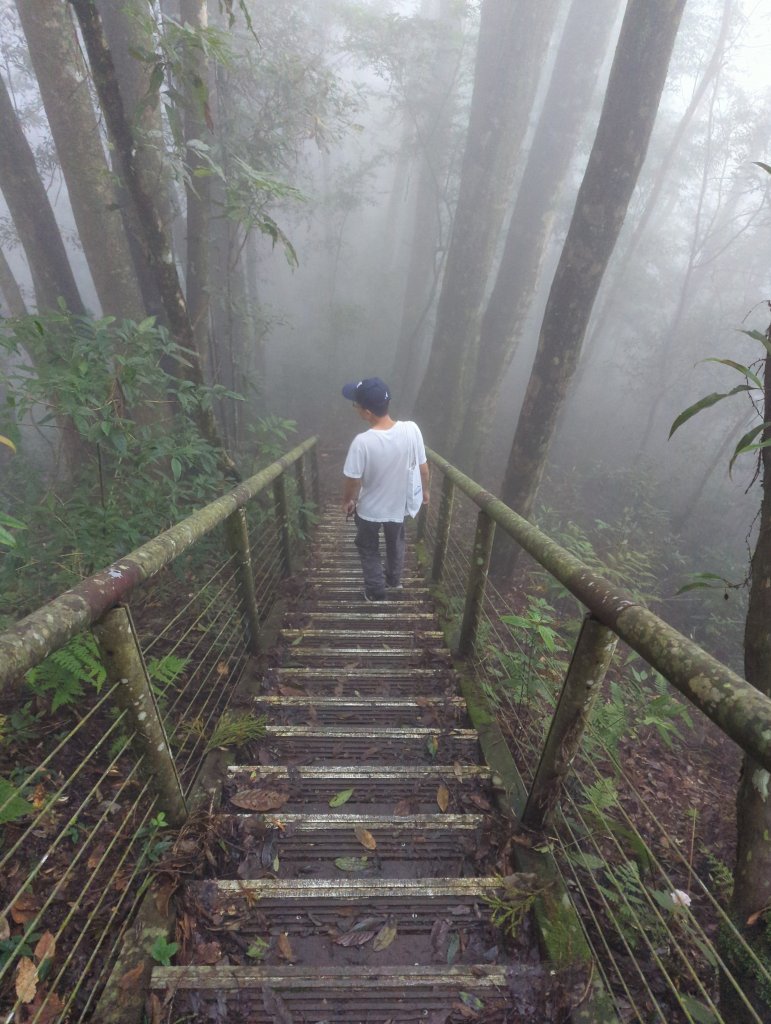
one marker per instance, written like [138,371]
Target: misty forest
[546,225]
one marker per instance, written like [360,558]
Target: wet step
[341,995]
[330,922]
[385,638]
[302,744]
[388,789]
[363,656]
[365,845]
[399,618]
[340,681]
[380,611]
[350,710]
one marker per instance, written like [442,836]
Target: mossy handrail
[43,631]
[737,708]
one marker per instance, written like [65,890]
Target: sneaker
[394,586]
[373,597]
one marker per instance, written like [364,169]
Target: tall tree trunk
[752,872]
[63,83]
[636,82]
[513,40]
[157,246]
[197,190]
[9,289]
[128,26]
[431,200]
[583,48]
[33,216]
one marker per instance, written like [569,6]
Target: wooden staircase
[362,895]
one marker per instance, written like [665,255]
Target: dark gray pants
[368,543]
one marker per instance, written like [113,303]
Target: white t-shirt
[381,459]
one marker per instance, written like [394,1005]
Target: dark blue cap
[370,393]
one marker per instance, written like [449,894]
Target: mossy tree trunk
[513,41]
[636,82]
[560,128]
[63,81]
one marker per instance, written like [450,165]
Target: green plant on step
[512,901]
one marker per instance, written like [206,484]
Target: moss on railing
[741,711]
[45,630]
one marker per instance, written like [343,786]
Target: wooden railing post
[591,657]
[282,518]
[237,533]
[443,522]
[125,666]
[315,485]
[302,493]
[475,586]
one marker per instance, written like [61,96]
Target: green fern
[62,675]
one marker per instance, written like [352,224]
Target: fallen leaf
[341,798]
[156,1010]
[471,1001]
[354,938]
[208,953]
[453,947]
[47,1009]
[284,947]
[480,801]
[432,745]
[366,838]
[439,934]
[24,908]
[132,978]
[465,1011]
[26,980]
[45,948]
[5,928]
[443,798]
[385,936]
[223,668]
[403,809]
[291,691]
[352,863]
[38,796]
[260,799]
[457,770]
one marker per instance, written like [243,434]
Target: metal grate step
[376,788]
[340,995]
[311,744]
[349,710]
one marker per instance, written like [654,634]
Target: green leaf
[766,167]
[697,1010]
[745,371]
[6,538]
[759,336]
[176,467]
[258,949]
[472,1001]
[705,403]
[352,863]
[12,806]
[341,798]
[162,951]
[590,861]
[453,948]
[743,442]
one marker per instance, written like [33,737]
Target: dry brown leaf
[45,948]
[457,769]
[132,978]
[291,691]
[46,1009]
[5,928]
[38,796]
[26,980]
[260,799]
[223,668]
[403,809]
[443,798]
[480,801]
[24,908]
[284,947]
[208,953]
[754,918]
[156,1009]
[366,838]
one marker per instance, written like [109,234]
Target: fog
[367,109]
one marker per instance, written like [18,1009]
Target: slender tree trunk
[430,208]
[33,216]
[636,82]
[582,50]
[63,83]
[752,873]
[9,289]
[197,190]
[128,27]
[157,247]
[513,41]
